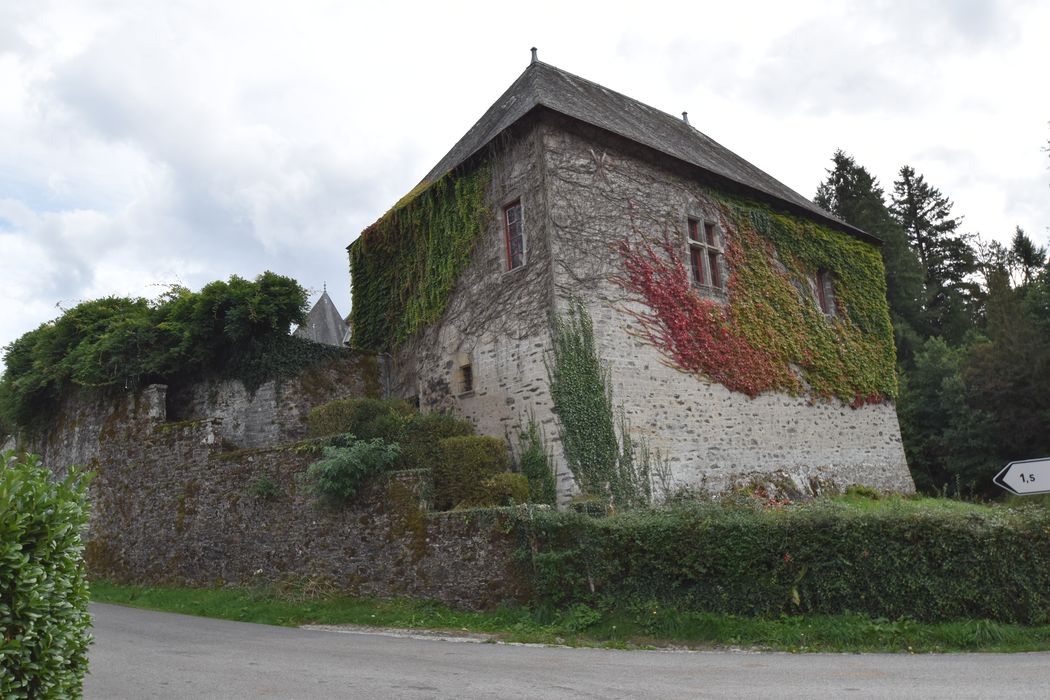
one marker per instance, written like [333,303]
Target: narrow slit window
[466,378]
[514,234]
[825,289]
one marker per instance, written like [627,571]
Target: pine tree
[853,195]
[948,260]
[1025,256]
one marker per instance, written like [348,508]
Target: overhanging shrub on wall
[43,591]
[904,562]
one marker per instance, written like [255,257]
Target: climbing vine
[604,465]
[771,335]
[404,266]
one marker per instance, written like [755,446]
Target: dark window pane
[716,276]
[694,231]
[696,257]
[515,236]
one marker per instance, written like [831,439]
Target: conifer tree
[852,194]
[948,260]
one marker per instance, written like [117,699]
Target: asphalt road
[140,654]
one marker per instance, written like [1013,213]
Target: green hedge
[464,465]
[364,418]
[44,619]
[420,446]
[933,564]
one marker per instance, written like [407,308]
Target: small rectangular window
[466,373]
[514,234]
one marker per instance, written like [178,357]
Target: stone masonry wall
[272,414]
[496,320]
[173,504]
[601,191]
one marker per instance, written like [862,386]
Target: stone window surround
[706,237]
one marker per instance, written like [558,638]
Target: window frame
[508,257]
[705,247]
[824,292]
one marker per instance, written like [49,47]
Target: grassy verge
[637,626]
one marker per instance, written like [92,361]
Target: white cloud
[155,142]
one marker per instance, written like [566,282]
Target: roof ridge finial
[685,117]
[324,287]
[535,58]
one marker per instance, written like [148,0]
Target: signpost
[1025,478]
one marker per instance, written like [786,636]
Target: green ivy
[850,355]
[404,267]
[579,384]
[771,336]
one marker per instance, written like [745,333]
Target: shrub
[337,477]
[44,619]
[901,560]
[535,464]
[464,464]
[504,489]
[365,418]
[264,489]
[420,445]
[122,342]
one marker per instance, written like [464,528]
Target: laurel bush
[44,618]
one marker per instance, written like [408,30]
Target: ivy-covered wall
[495,320]
[751,385]
[768,333]
[404,267]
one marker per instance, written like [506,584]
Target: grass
[632,626]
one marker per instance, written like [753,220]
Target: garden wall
[172,504]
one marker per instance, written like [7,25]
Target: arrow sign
[1026,477]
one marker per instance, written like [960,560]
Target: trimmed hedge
[364,418]
[420,445]
[464,465]
[503,489]
[901,561]
[44,619]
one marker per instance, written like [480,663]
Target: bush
[505,489]
[420,447]
[123,342]
[901,560]
[364,418]
[463,466]
[44,619]
[535,464]
[337,477]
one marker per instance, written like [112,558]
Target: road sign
[1026,477]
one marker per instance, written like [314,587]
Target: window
[705,254]
[466,373]
[825,289]
[514,235]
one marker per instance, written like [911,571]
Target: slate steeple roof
[324,323]
[544,86]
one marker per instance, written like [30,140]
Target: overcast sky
[145,143]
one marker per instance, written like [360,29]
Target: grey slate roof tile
[543,85]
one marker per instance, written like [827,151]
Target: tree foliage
[948,260]
[851,193]
[125,342]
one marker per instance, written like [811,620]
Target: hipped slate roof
[543,85]
[324,323]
